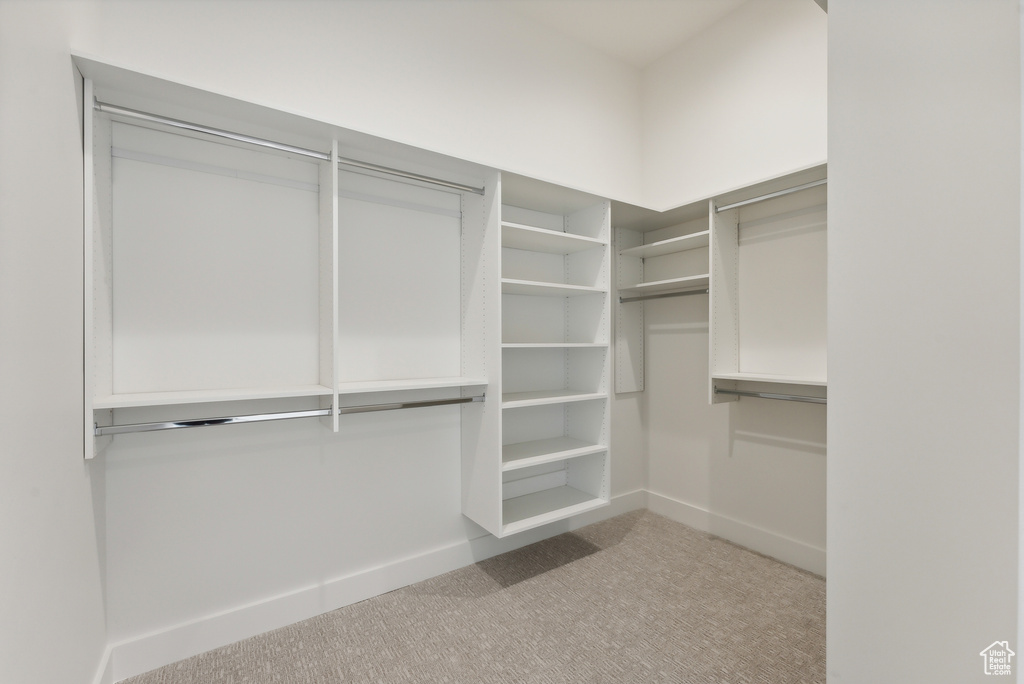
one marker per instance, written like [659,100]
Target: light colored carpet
[637,598]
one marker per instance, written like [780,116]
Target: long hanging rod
[343,161]
[281,147]
[780,193]
[218,132]
[100,431]
[773,395]
[627,300]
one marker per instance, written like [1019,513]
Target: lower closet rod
[100,431]
[772,395]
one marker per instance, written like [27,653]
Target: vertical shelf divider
[481,354]
[629,319]
[328,252]
[723,346]
[93,445]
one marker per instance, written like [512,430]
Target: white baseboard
[149,651]
[786,549]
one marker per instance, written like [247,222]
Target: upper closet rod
[281,147]
[343,161]
[770,195]
[220,133]
[100,431]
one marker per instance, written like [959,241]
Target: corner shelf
[670,285]
[670,246]
[536,288]
[543,397]
[657,255]
[519,236]
[548,505]
[554,345]
[540,451]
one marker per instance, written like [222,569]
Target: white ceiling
[637,32]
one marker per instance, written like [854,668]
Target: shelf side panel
[96,269]
[723,342]
[629,317]
[328,256]
[481,355]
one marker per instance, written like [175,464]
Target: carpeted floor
[637,598]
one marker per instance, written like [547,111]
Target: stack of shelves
[657,256]
[646,262]
[555,364]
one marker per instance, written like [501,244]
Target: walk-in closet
[558,341]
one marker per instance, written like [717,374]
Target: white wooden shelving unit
[762,263]
[220,272]
[554,431]
[657,254]
[768,314]
[223,274]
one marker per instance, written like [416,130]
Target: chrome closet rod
[626,300]
[281,147]
[100,431]
[344,410]
[344,161]
[773,395]
[770,195]
[208,130]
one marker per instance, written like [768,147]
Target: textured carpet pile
[637,598]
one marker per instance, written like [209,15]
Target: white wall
[742,102]
[470,79]
[751,471]
[924,337]
[51,599]
[195,526]
[201,525]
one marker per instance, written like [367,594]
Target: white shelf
[539,508]
[763,377]
[670,246]
[534,288]
[522,399]
[670,285]
[555,345]
[519,236]
[408,384]
[526,454]
[207,396]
